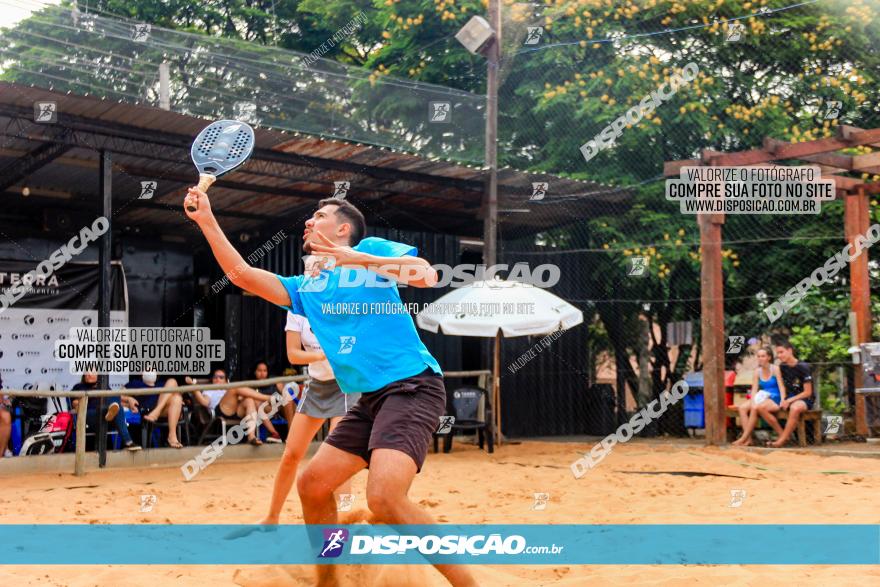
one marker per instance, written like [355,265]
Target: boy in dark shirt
[799,387]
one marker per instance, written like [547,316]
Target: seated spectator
[768,391]
[233,403]
[155,406]
[799,384]
[5,424]
[210,398]
[113,414]
[261,371]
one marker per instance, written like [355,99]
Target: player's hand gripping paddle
[221,147]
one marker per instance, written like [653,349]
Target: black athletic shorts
[403,416]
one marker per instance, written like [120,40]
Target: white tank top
[320,370]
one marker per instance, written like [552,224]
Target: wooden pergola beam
[868,188]
[866,162]
[820,151]
[837,160]
[673,168]
[776,150]
[847,131]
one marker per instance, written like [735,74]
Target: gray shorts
[324,399]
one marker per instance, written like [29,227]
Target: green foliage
[831,401]
[820,347]
[823,347]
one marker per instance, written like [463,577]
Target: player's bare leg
[302,430]
[328,469]
[391,474]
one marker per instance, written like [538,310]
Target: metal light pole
[490,197]
[482,37]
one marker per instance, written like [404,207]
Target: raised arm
[201,398]
[407,270]
[413,271]
[251,279]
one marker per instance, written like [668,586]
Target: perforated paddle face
[222,146]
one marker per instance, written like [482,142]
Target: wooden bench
[814,416]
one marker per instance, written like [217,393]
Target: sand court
[641,482]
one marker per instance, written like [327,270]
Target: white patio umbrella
[483,308]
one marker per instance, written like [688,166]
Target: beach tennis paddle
[222,146]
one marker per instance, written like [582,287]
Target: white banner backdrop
[27,346]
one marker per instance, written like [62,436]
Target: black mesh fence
[601,90]
[757,70]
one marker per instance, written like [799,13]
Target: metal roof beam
[30,163]
[181,141]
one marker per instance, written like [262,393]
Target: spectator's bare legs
[248,407]
[170,405]
[5,430]
[267,421]
[746,409]
[794,413]
[768,406]
[766,412]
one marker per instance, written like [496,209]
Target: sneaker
[274,439]
[112,410]
[133,447]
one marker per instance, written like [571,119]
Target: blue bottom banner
[527,544]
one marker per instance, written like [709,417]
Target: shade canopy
[482,308]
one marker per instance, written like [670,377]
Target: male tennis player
[377,354]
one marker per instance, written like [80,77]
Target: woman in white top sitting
[322,399]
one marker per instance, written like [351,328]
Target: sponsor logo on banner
[31,360]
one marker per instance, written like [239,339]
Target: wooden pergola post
[856,222]
[712,326]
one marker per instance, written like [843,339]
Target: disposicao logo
[334,540]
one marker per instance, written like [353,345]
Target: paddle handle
[205,181]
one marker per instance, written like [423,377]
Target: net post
[80,458]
